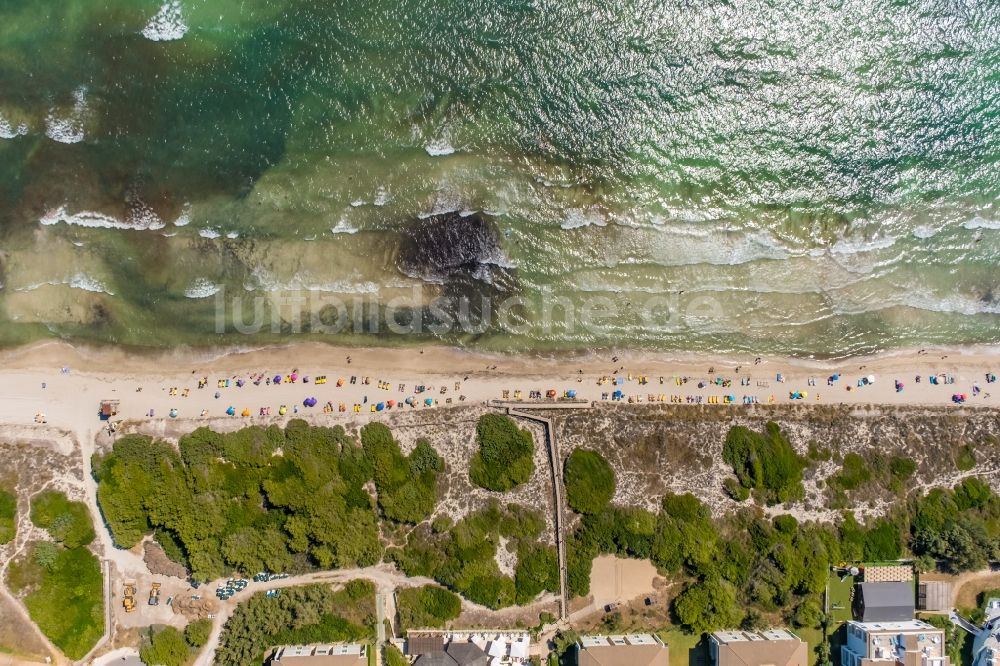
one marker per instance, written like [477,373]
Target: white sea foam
[209,233]
[184,218]
[232,235]
[439,147]
[168,24]
[263,280]
[924,232]
[139,220]
[8,131]
[381,197]
[343,228]
[202,288]
[980,223]
[357,203]
[69,128]
[846,246]
[577,217]
[80,281]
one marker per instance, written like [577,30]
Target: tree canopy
[506,454]
[230,501]
[406,486]
[166,646]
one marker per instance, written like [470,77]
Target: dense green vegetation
[959,528]
[406,486]
[965,458]
[197,632]
[764,463]
[63,591]
[872,469]
[426,607]
[299,615]
[462,557]
[393,657]
[743,569]
[68,522]
[8,516]
[166,646]
[505,456]
[590,481]
[230,502]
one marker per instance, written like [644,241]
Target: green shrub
[902,468]
[64,594]
[590,481]
[855,472]
[537,570]
[8,516]
[393,657]
[198,632]
[765,462]
[406,486]
[505,457]
[708,605]
[965,458]
[426,607]
[882,541]
[68,522]
[166,647]
[736,490]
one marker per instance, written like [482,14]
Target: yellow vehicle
[129,601]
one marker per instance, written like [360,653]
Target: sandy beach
[66,384]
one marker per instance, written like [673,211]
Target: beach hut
[231,411]
[109,408]
[429,401]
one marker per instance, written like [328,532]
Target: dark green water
[803,178]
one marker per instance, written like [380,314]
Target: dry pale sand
[615,579]
[33,382]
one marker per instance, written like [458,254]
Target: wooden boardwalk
[555,464]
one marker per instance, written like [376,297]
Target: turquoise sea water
[816,178]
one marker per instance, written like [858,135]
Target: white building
[907,643]
[986,648]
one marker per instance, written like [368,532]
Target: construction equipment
[129,601]
[154,595]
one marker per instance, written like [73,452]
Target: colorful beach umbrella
[231,411]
